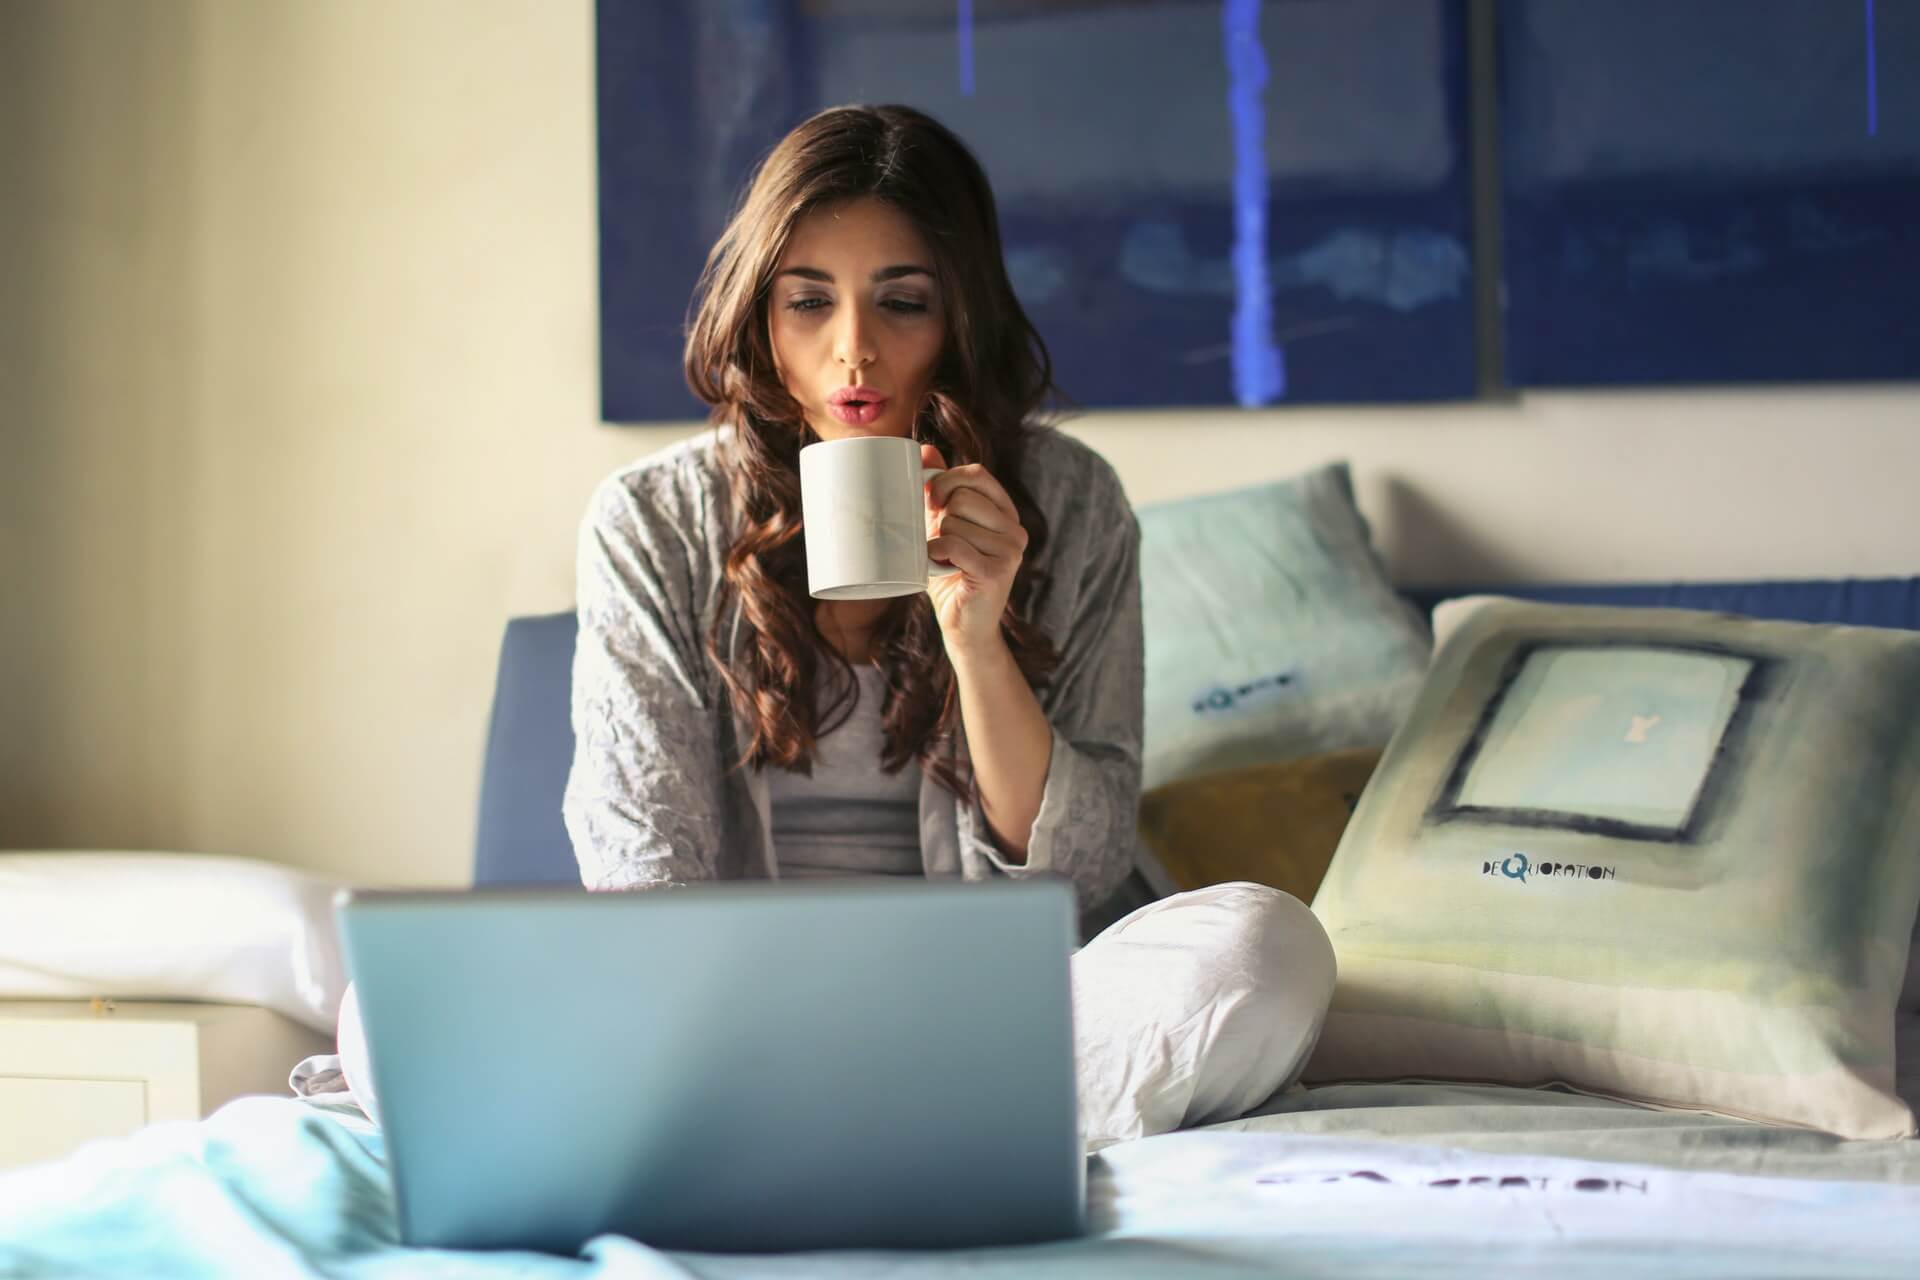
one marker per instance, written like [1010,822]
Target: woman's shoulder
[1068,477]
[666,509]
[675,487]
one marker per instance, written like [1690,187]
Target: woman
[729,726]
[717,707]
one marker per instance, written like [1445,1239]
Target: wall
[298,405]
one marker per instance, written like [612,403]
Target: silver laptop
[734,1067]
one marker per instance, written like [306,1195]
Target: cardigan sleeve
[643,796]
[1087,827]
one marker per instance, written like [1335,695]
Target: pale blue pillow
[1271,629]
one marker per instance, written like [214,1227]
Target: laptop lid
[733,1067]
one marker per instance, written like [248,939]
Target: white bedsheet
[279,1187]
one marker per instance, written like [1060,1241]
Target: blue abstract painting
[1204,202]
[1710,191]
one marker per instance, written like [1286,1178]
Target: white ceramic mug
[866,528]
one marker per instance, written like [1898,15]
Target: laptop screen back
[730,1067]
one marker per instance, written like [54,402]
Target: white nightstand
[71,1070]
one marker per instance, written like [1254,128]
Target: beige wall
[298,405]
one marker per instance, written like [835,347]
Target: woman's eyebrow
[881,276]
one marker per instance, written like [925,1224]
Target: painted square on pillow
[1621,739]
[1664,856]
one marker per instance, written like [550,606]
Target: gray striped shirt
[848,817]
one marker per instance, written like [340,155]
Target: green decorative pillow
[1662,856]
[1271,629]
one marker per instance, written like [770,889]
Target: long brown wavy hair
[991,382]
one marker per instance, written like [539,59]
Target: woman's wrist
[984,656]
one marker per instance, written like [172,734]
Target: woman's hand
[974,527]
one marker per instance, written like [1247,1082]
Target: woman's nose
[852,345]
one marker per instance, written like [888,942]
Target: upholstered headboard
[529,749]
[530,740]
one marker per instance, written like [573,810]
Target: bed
[1379,1180]
[1354,1180]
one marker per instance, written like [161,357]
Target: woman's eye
[904,306]
[806,304]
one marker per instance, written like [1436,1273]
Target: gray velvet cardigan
[653,798]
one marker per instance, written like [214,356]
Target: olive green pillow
[1273,824]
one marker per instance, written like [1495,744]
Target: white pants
[1195,1008]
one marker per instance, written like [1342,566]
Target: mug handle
[934,568]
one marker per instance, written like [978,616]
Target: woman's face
[856,320]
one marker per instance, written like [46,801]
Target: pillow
[145,926]
[1911,1000]
[1906,1035]
[1907,1030]
[1271,629]
[1450,613]
[1657,855]
[1272,824]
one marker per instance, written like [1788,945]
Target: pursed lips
[858,406]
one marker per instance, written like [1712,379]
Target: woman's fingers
[977,528]
[971,478]
[993,544]
[962,555]
[971,504]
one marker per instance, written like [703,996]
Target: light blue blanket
[271,1187]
